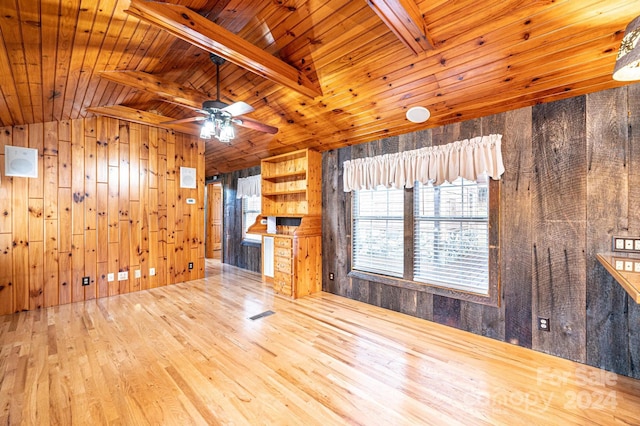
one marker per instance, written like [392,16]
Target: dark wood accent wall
[571,183]
[234,251]
[107,199]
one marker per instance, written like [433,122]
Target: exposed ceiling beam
[405,20]
[188,25]
[142,117]
[157,86]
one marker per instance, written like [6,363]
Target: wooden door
[214,221]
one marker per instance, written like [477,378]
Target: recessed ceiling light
[418,114]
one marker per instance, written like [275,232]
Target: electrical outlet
[137,273]
[123,276]
[543,324]
[110,277]
[331,276]
[152,271]
[190,265]
[86,281]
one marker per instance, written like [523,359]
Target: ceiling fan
[219,116]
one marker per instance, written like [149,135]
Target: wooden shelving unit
[291,184]
[623,272]
[292,188]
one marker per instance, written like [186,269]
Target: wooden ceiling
[487,57]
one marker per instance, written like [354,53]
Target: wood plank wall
[107,200]
[571,180]
[234,251]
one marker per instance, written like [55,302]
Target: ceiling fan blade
[255,125]
[185,120]
[238,108]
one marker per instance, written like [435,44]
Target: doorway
[213,237]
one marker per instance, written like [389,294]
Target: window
[378,244]
[434,239]
[251,207]
[451,243]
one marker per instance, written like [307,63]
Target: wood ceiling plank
[49,17]
[119,37]
[31,25]
[157,86]
[97,38]
[192,27]
[78,23]
[12,38]
[5,115]
[10,110]
[260,30]
[237,14]
[112,33]
[292,22]
[324,30]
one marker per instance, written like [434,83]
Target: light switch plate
[137,273]
[110,277]
[152,271]
[123,276]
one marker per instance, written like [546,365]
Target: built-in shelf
[623,267]
[285,192]
[294,174]
[292,193]
[292,184]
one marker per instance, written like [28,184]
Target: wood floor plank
[190,354]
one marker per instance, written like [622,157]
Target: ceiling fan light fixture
[226,131]
[218,125]
[628,62]
[207,129]
[418,114]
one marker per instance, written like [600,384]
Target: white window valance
[468,158]
[249,186]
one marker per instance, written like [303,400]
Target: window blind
[451,245]
[378,230]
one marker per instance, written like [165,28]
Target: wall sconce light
[628,62]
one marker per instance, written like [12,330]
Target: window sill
[484,299]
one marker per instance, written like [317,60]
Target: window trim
[491,299]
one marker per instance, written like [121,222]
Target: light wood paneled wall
[107,199]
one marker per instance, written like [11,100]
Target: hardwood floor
[189,354]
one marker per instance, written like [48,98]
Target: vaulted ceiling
[486,57]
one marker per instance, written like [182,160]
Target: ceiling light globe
[418,114]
